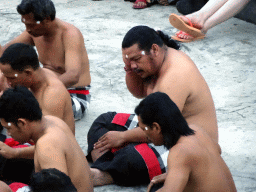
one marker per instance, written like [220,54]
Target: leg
[212,14]
[228,10]
[199,18]
[95,154]
[101,177]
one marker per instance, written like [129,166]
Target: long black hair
[158,107]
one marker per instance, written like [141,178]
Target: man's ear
[156,127]
[28,71]
[154,49]
[47,20]
[22,123]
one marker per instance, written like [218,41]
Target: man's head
[51,180]
[18,108]
[36,14]
[143,49]
[161,120]
[18,63]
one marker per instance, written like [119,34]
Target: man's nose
[133,65]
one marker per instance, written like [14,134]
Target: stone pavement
[226,58]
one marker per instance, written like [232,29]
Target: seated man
[61,49]
[21,115]
[19,64]
[152,63]
[194,161]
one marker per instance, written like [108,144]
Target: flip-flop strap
[183,33]
[144,1]
[189,22]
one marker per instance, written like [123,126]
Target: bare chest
[51,54]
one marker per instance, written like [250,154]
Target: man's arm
[54,103]
[135,84]
[49,154]
[16,153]
[179,169]
[24,37]
[119,138]
[75,57]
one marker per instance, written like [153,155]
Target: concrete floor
[226,58]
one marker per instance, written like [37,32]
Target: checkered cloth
[80,98]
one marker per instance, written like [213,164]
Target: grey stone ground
[226,58]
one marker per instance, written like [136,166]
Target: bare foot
[196,22]
[101,177]
[140,4]
[183,35]
[163,2]
[95,153]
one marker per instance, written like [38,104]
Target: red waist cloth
[83,92]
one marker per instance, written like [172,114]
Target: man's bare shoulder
[70,31]
[187,150]
[54,127]
[55,86]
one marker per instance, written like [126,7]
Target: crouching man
[194,161]
[55,144]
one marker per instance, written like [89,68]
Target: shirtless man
[60,47]
[194,161]
[19,64]
[154,63]
[22,117]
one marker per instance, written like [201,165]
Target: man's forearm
[135,135]
[135,84]
[68,80]
[25,152]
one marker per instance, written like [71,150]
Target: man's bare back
[54,99]
[178,77]
[62,152]
[194,164]
[181,80]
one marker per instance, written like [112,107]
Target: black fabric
[17,170]
[126,166]
[100,126]
[186,7]
[155,187]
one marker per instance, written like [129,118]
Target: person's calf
[101,177]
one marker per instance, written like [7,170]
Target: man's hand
[8,152]
[157,179]
[110,140]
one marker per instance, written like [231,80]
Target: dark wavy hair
[41,9]
[19,102]
[51,180]
[145,37]
[20,56]
[158,107]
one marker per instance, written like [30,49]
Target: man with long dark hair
[194,161]
[153,62]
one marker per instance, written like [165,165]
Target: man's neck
[39,81]
[39,128]
[164,63]
[52,29]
